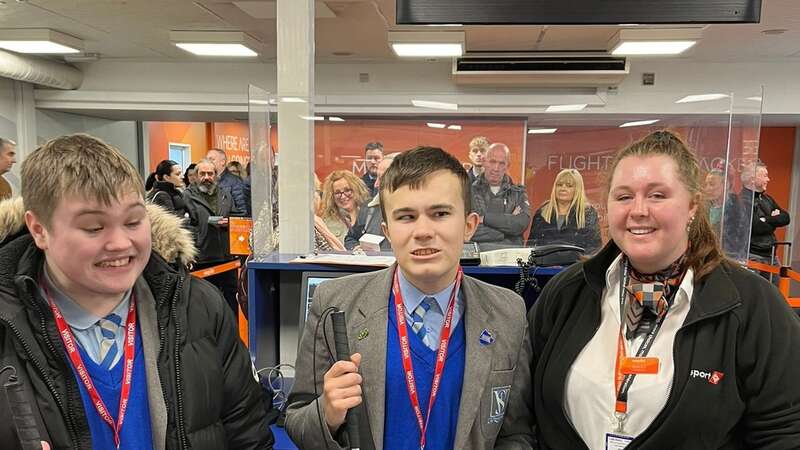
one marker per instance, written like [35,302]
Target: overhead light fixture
[658,41]
[215,43]
[754,99]
[315,118]
[335,119]
[454,127]
[566,108]
[701,98]
[292,100]
[435,125]
[427,44]
[542,130]
[638,123]
[39,41]
[435,105]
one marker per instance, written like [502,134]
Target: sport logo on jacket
[712,377]
[499,403]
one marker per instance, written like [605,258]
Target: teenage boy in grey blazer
[426,199]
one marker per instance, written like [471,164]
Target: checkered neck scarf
[648,295]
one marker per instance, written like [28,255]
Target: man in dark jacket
[210,205]
[503,207]
[373,155]
[173,361]
[369,215]
[767,214]
[230,182]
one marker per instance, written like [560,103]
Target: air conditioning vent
[578,71]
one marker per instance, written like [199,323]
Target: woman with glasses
[342,196]
[567,218]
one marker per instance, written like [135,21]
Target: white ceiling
[139,29]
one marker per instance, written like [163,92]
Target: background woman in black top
[567,218]
[163,187]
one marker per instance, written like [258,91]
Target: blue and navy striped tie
[109,325]
[418,325]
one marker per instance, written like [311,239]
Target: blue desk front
[274,283]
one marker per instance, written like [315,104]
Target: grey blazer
[489,372]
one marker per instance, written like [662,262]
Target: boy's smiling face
[93,250]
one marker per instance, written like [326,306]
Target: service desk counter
[274,287]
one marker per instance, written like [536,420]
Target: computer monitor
[310,282]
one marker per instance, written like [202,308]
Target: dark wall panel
[573,12]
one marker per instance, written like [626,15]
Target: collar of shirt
[412,296]
[74,314]
[375,201]
[611,294]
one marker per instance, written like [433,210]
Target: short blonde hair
[76,164]
[479,142]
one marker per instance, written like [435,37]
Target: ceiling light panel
[701,98]
[435,105]
[566,108]
[654,41]
[638,123]
[39,41]
[215,43]
[427,44]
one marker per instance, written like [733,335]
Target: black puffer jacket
[762,234]
[167,196]
[213,401]
[588,237]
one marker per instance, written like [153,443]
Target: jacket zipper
[177,359]
[182,440]
[49,382]
[660,417]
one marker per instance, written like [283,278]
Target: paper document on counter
[347,260]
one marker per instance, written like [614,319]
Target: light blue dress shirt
[433,320]
[84,324]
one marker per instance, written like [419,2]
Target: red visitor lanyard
[441,354]
[74,355]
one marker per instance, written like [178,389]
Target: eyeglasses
[345,193]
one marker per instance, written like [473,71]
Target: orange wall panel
[162,133]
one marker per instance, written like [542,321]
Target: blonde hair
[704,253]
[79,165]
[579,201]
[479,142]
[360,192]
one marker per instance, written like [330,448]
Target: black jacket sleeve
[767,349]
[588,237]
[243,414]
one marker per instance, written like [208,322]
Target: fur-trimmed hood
[170,240]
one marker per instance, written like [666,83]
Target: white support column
[26,129]
[295,64]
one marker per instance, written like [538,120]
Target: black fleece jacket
[738,324]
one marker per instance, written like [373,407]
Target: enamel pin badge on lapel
[487,337]
[363,334]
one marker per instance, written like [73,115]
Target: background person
[210,206]
[567,218]
[767,214]
[235,168]
[230,182]
[8,157]
[478,147]
[190,175]
[369,216]
[724,339]
[502,206]
[373,154]
[164,187]
[342,196]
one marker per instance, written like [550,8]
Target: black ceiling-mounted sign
[576,12]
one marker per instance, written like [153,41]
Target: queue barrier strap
[783,281]
[210,271]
